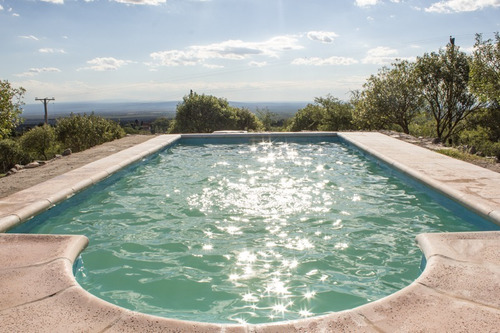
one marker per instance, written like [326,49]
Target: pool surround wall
[458,290]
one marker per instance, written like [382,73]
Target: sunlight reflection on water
[252,232]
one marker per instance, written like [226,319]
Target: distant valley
[142,111]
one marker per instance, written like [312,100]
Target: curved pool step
[457,292]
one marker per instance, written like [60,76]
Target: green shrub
[11,154]
[40,142]
[479,138]
[80,132]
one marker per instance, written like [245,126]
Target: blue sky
[242,50]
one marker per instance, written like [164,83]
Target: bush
[11,154]
[479,138]
[40,142]
[80,132]
[206,114]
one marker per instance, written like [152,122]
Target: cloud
[29,37]
[457,6]
[331,61]
[257,63]
[50,50]
[227,50]
[380,56]
[366,3]
[1,7]
[322,36]
[105,64]
[141,2]
[35,71]
[59,2]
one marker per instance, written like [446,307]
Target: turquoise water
[250,232]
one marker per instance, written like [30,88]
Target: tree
[337,114]
[485,69]
[444,79]
[10,107]
[206,114]
[266,117]
[160,125]
[307,119]
[326,114]
[392,97]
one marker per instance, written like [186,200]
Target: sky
[241,50]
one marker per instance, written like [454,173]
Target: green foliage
[485,69]
[40,142]
[391,97]
[327,114]
[479,138]
[307,119]
[337,116]
[206,114]
[80,132]
[422,125]
[11,154]
[160,125]
[246,120]
[266,117]
[444,79]
[10,107]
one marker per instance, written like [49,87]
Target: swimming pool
[309,212]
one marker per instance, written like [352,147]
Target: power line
[45,101]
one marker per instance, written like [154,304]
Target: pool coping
[39,292]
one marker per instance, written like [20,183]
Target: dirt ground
[28,177]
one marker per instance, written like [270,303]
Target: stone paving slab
[476,188]
[459,290]
[460,294]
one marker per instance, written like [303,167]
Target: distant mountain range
[33,113]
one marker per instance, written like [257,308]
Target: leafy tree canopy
[485,69]
[444,84]
[326,114]
[10,107]
[391,97]
[206,114]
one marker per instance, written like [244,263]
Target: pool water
[249,232]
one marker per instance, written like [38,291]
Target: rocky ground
[28,177]
[488,163]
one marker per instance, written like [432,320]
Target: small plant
[11,154]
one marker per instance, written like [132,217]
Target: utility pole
[45,101]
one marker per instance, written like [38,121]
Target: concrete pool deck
[458,291]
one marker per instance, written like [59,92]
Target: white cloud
[366,3]
[228,50]
[50,50]
[35,71]
[60,2]
[29,37]
[456,6]
[106,64]
[1,7]
[141,2]
[322,36]
[257,63]
[380,56]
[314,61]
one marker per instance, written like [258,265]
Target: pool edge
[460,279]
